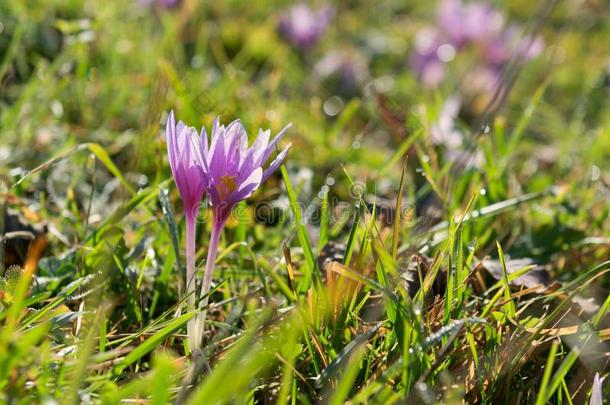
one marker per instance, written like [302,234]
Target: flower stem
[207,276]
[193,338]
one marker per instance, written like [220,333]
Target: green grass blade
[544,388]
[303,237]
[510,305]
[103,157]
[152,342]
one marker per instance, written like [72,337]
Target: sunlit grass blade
[349,247]
[548,369]
[510,305]
[344,357]
[346,382]
[559,375]
[323,238]
[310,263]
[398,213]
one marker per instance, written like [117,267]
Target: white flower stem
[194,339]
[207,276]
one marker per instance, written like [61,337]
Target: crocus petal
[259,146]
[233,171]
[302,26]
[451,18]
[235,134]
[217,161]
[231,135]
[192,144]
[180,138]
[276,163]
[186,162]
[596,391]
[170,136]
[271,147]
[251,157]
[248,186]
[203,140]
[217,129]
[214,197]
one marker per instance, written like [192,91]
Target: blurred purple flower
[425,59]
[445,132]
[500,48]
[482,79]
[349,68]
[302,26]
[160,3]
[476,25]
[464,23]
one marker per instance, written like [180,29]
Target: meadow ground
[439,231]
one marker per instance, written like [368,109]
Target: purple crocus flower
[187,166]
[229,171]
[348,68]
[445,132]
[186,163]
[501,47]
[482,79]
[450,18]
[235,171]
[425,59]
[302,26]
[161,3]
[464,25]
[472,22]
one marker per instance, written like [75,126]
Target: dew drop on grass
[57,108]
[482,191]
[197,61]
[323,191]
[142,180]
[472,245]
[595,173]
[333,106]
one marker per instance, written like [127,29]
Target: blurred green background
[85,87]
